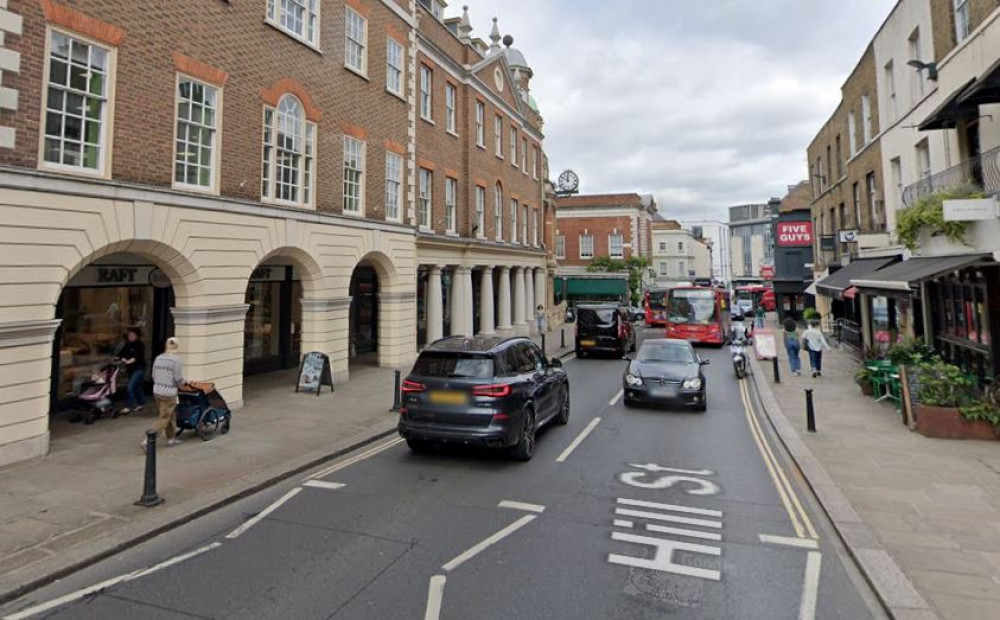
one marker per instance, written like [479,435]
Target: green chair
[879,380]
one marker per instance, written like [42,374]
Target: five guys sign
[795,233]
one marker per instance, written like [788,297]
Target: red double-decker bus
[699,315]
[655,306]
[759,294]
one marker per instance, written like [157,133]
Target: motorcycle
[737,349]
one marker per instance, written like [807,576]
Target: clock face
[568,181]
[498,78]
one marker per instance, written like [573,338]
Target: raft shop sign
[120,275]
[970,210]
[314,372]
[792,234]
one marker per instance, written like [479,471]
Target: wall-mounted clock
[568,182]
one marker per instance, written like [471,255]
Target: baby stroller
[202,409]
[95,398]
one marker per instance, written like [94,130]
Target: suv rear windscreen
[596,316]
[453,366]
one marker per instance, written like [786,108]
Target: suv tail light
[410,387]
[498,390]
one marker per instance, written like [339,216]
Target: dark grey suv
[491,392]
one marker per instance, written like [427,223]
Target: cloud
[704,104]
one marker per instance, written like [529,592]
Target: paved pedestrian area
[77,502]
[931,503]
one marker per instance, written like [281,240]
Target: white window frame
[480,124]
[498,211]
[852,135]
[917,77]
[923,157]
[866,118]
[216,134]
[425,198]
[395,66]
[310,24]
[306,183]
[534,163]
[560,247]
[354,176]
[393,186]
[586,241]
[962,20]
[480,212]
[537,227]
[524,223]
[450,114]
[514,207]
[106,135]
[664,268]
[426,93]
[616,239]
[513,146]
[450,204]
[524,156]
[355,42]
[498,130]
[890,82]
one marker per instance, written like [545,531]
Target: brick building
[246,176]
[614,225]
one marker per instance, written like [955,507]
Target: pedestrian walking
[168,376]
[133,355]
[815,342]
[540,318]
[792,345]
[759,316]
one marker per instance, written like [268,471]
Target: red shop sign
[795,233]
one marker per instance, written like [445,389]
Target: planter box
[948,423]
[867,388]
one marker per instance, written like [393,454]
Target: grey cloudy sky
[704,104]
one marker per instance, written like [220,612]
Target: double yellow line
[800,519]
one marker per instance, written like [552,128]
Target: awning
[851,293]
[596,287]
[903,276]
[839,281]
[811,289]
[949,113]
[986,89]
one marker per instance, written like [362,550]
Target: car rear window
[454,366]
[596,316]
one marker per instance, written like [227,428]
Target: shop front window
[261,332]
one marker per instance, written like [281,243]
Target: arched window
[498,212]
[289,154]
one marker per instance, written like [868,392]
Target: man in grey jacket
[168,376]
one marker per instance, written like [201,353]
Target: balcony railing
[982,171]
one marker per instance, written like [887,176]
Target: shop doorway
[98,305]
[364,314]
[272,333]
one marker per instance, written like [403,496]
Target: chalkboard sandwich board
[314,372]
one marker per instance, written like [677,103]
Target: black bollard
[562,337]
[544,354]
[777,372]
[149,496]
[810,412]
[396,400]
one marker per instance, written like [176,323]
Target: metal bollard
[810,412]
[562,337]
[544,354]
[149,496]
[396,394]
[777,372]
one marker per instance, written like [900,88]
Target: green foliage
[928,214]
[605,264]
[939,384]
[863,376]
[635,266]
[910,352]
[811,314]
[985,409]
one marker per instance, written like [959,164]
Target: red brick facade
[232,45]
[627,214]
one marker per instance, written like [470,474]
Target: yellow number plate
[588,343]
[448,398]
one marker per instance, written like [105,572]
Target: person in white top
[815,342]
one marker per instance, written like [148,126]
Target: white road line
[810,587]
[673,519]
[435,595]
[789,541]
[579,439]
[521,506]
[355,459]
[622,523]
[679,531]
[618,396]
[471,552]
[97,587]
[323,484]
[671,507]
[260,516]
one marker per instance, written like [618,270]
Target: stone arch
[311,271]
[385,269]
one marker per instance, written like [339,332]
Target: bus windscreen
[693,307]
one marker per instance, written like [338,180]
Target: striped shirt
[168,374]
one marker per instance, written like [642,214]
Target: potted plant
[863,378]
[810,314]
[985,409]
[943,391]
[927,216]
